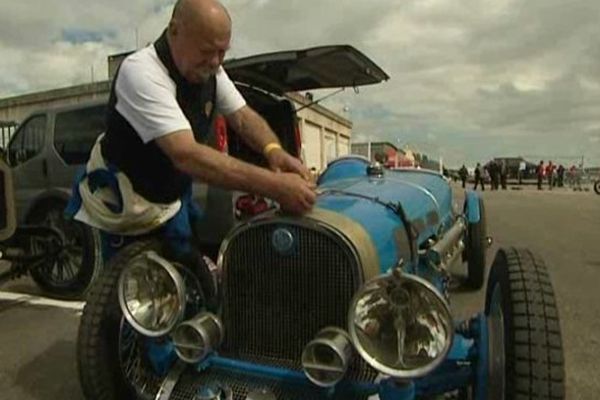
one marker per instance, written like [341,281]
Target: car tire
[597,187]
[524,341]
[476,250]
[99,339]
[70,274]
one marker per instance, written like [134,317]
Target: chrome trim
[354,236]
[415,373]
[204,324]
[335,339]
[170,381]
[180,287]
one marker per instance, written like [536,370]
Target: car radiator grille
[191,381]
[274,304]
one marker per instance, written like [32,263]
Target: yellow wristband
[270,147]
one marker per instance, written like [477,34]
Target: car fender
[471,208]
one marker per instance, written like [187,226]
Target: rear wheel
[476,250]
[597,187]
[525,356]
[71,272]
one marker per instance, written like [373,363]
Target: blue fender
[471,209]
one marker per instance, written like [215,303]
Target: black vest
[150,171]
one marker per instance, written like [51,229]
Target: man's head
[199,34]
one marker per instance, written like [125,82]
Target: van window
[75,132]
[28,140]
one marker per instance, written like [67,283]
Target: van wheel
[71,273]
[525,355]
[476,248]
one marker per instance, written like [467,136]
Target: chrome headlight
[400,325]
[151,294]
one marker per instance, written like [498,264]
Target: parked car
[51,145]
[44,155]
[345,302]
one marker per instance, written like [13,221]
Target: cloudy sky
[470,79]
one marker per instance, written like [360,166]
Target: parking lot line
[41,301]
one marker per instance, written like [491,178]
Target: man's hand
[295,194]
[282,161]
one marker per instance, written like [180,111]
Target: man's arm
[208,165]
[251,127]
[257,133]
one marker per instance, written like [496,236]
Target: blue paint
[391,390]
[447,378]
[424,196]
[344,168]
[472,211]
[161,354]
[481,355]
[461,348]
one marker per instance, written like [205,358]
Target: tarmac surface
[38,336]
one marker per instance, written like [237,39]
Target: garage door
[330,150]
[343,146]
[311,145]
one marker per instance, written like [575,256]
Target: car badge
[282,240]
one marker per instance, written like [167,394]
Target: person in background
[463,174]
[503,174]
[540,171]
[560,173]
[479,172]
[550,174]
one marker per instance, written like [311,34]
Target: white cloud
[481,77]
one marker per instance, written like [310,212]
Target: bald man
[161,108]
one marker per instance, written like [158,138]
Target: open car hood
[313,68]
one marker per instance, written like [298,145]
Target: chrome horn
[196,338]
[326,358]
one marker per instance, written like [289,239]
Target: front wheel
[525,355]
[597,187]
[476,249]
[110,355]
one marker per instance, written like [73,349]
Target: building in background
[325,135]
[386,153]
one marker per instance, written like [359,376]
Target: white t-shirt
[146,96]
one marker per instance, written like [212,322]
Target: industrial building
[325,134]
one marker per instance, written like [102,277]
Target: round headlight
[401,325]
[151,294]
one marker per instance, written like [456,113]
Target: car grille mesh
[191,381]
[274,304]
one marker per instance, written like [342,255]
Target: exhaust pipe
[196,338]
[446,250]
[326,358]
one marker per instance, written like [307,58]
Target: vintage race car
[350,301]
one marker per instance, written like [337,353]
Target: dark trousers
[464,182]
[478,180]
[540,179]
